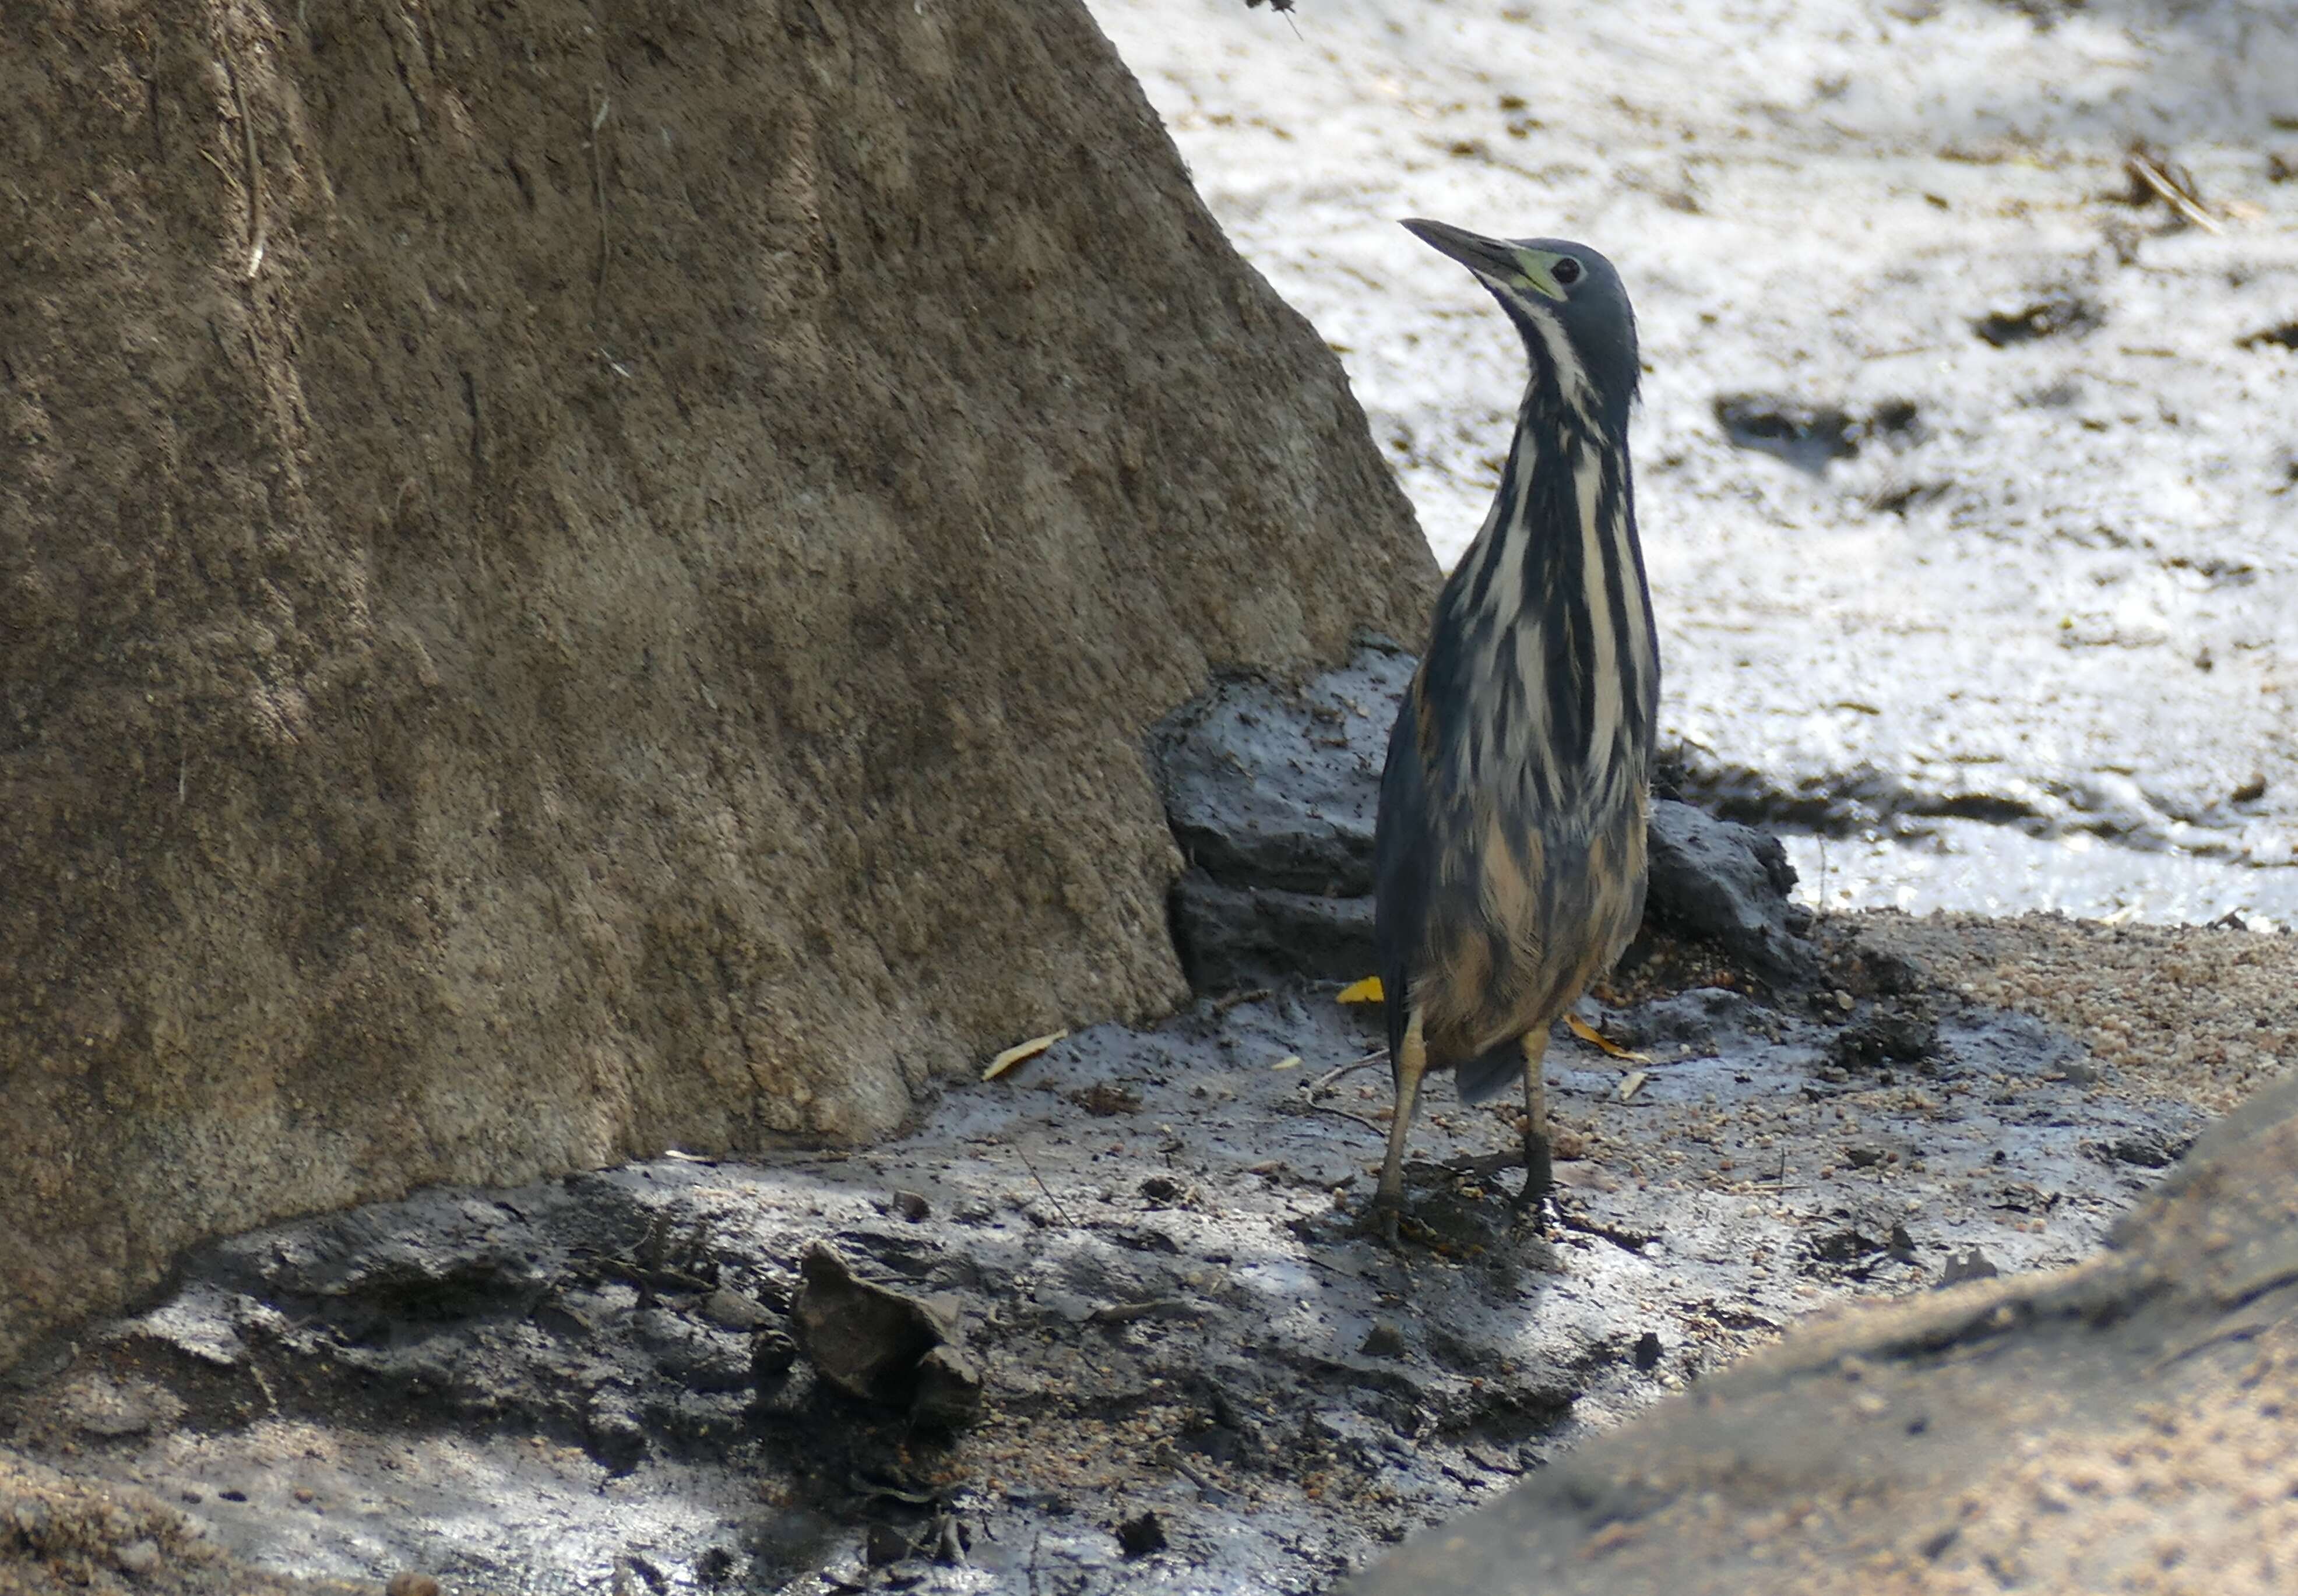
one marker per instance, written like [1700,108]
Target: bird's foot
[1539,1194]
[1380,1222]
[1534,1204]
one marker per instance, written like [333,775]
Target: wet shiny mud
[1196,1371]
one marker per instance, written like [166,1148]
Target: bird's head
[1567,301]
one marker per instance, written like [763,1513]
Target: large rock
[574,585]
[1273,790]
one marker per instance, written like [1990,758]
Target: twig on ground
[1042,1187]
[1221,1005]
[1375,1126]
[1351,1068]
[2142,166]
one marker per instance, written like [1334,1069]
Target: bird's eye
[1566,271]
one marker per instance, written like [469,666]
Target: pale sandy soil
[2069,596]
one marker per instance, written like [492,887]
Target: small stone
[912,1206]
[303,1494]
[137,1556]
[771,1354]
[948,1389]
[882,1544]
[731,1309]
[1140,1536]
[1384,1340]
[408,1583]
[1972,1265]
[1647,1351]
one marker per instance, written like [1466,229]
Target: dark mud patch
[1810,437]
[2055,316]
[1151,1243]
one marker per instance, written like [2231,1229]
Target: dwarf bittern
[1510,846]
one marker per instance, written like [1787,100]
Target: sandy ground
[2064,597]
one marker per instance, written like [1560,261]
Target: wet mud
[1194,1371]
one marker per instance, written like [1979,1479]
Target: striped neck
[1549,619]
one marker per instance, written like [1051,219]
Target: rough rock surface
[1727,883]
[1272,791]
[574,583]
[2122,1425]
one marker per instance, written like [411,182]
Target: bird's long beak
[1495,260]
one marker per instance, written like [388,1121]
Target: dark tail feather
[1489,1074]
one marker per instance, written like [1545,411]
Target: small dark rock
[1904,1033]
[1649,1351]
[1384,1340]
[882,1544]
[1807,436]
[1728,884]
[2147,1149]
[1842,1247]
[731,1309]
[1162,1189]
[1864,1158]
[948,1389]
[612,1432]
[1872,972]
[697,1356]
[912,1206]
[2053,316]
[1972,1265]
[867,1340]
[1699,1018]
[1141,1534]
[771,1354]
[1107,1100]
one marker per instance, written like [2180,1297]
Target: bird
[1509,842]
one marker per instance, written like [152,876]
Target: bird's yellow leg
[1407,1069]
[1538,1172]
